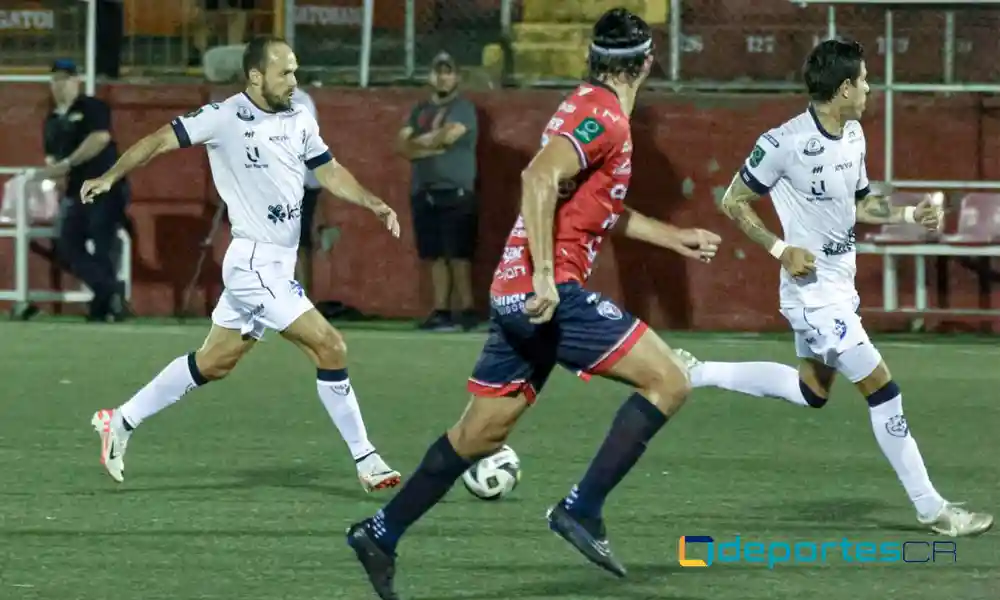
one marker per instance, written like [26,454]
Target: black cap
[443,59]
[64,65]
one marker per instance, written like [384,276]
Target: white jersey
[814,179]
[259,161]
[301,97]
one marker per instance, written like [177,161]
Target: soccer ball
[495,476]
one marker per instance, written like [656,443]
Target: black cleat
[379,564]
[587,536]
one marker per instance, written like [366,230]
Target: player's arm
[159,142]
[693,243]
[877,210]
[737,204]
[557,161]
[342,184]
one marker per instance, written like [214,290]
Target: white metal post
[949,46]
[831,22]
[21,248]
[290,22]
[890,54]
[675,40]
[367,22]
[91,48]
[410,41]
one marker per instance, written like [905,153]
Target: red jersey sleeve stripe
[579,149]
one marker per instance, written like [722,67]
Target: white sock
[901,449]
[176,379]
[337,395]
[761,379]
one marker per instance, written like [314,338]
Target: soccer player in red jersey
[542,315]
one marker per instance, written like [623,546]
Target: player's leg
[218,355]
[808,386]
[642,359]
[505,381]
[325,346]
[861,362]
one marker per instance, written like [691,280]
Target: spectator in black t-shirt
[79,146]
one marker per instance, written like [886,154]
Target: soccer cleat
[112,444]
[687,358]
[586,535]
[954,521]
[379,564]
[374,474]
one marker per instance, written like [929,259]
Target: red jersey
[589,205]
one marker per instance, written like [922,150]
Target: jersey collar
[600,85]
[819,126]
[264,110]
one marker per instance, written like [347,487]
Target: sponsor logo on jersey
[770,138]
[757,156]
[588,130]
[840,248]
[512,253]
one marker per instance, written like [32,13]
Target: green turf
[243,489]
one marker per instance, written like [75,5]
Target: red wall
[701,139]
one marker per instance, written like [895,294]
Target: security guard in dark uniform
[79,146]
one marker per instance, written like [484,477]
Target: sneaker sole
[584,548]
[97,422]
[385,484]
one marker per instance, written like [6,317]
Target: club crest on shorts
[839,328]
[296,288]
[896,426]
[609,311]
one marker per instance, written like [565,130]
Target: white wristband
[778,248]
[910,214]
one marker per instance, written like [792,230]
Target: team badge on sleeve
[588,130]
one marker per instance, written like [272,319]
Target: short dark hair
[830,64]
[255,54]
[620,44]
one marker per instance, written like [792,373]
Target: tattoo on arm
[878,210]
[736,205]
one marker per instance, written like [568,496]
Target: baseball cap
[443,59]
[64,65]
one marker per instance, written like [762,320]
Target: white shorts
[261,291]
[834,336]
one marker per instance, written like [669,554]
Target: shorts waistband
[262,251]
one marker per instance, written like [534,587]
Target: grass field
[244,489]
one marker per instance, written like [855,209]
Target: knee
[666,385]
[812,398]
[216,363]
[330,347]
[473,438]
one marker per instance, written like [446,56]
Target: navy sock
[438,471]
[636,423]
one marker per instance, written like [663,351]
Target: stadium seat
[902,233]
[978,221]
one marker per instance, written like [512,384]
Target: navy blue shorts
[587,335]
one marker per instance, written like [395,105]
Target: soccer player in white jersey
[259,147]
[813,167]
